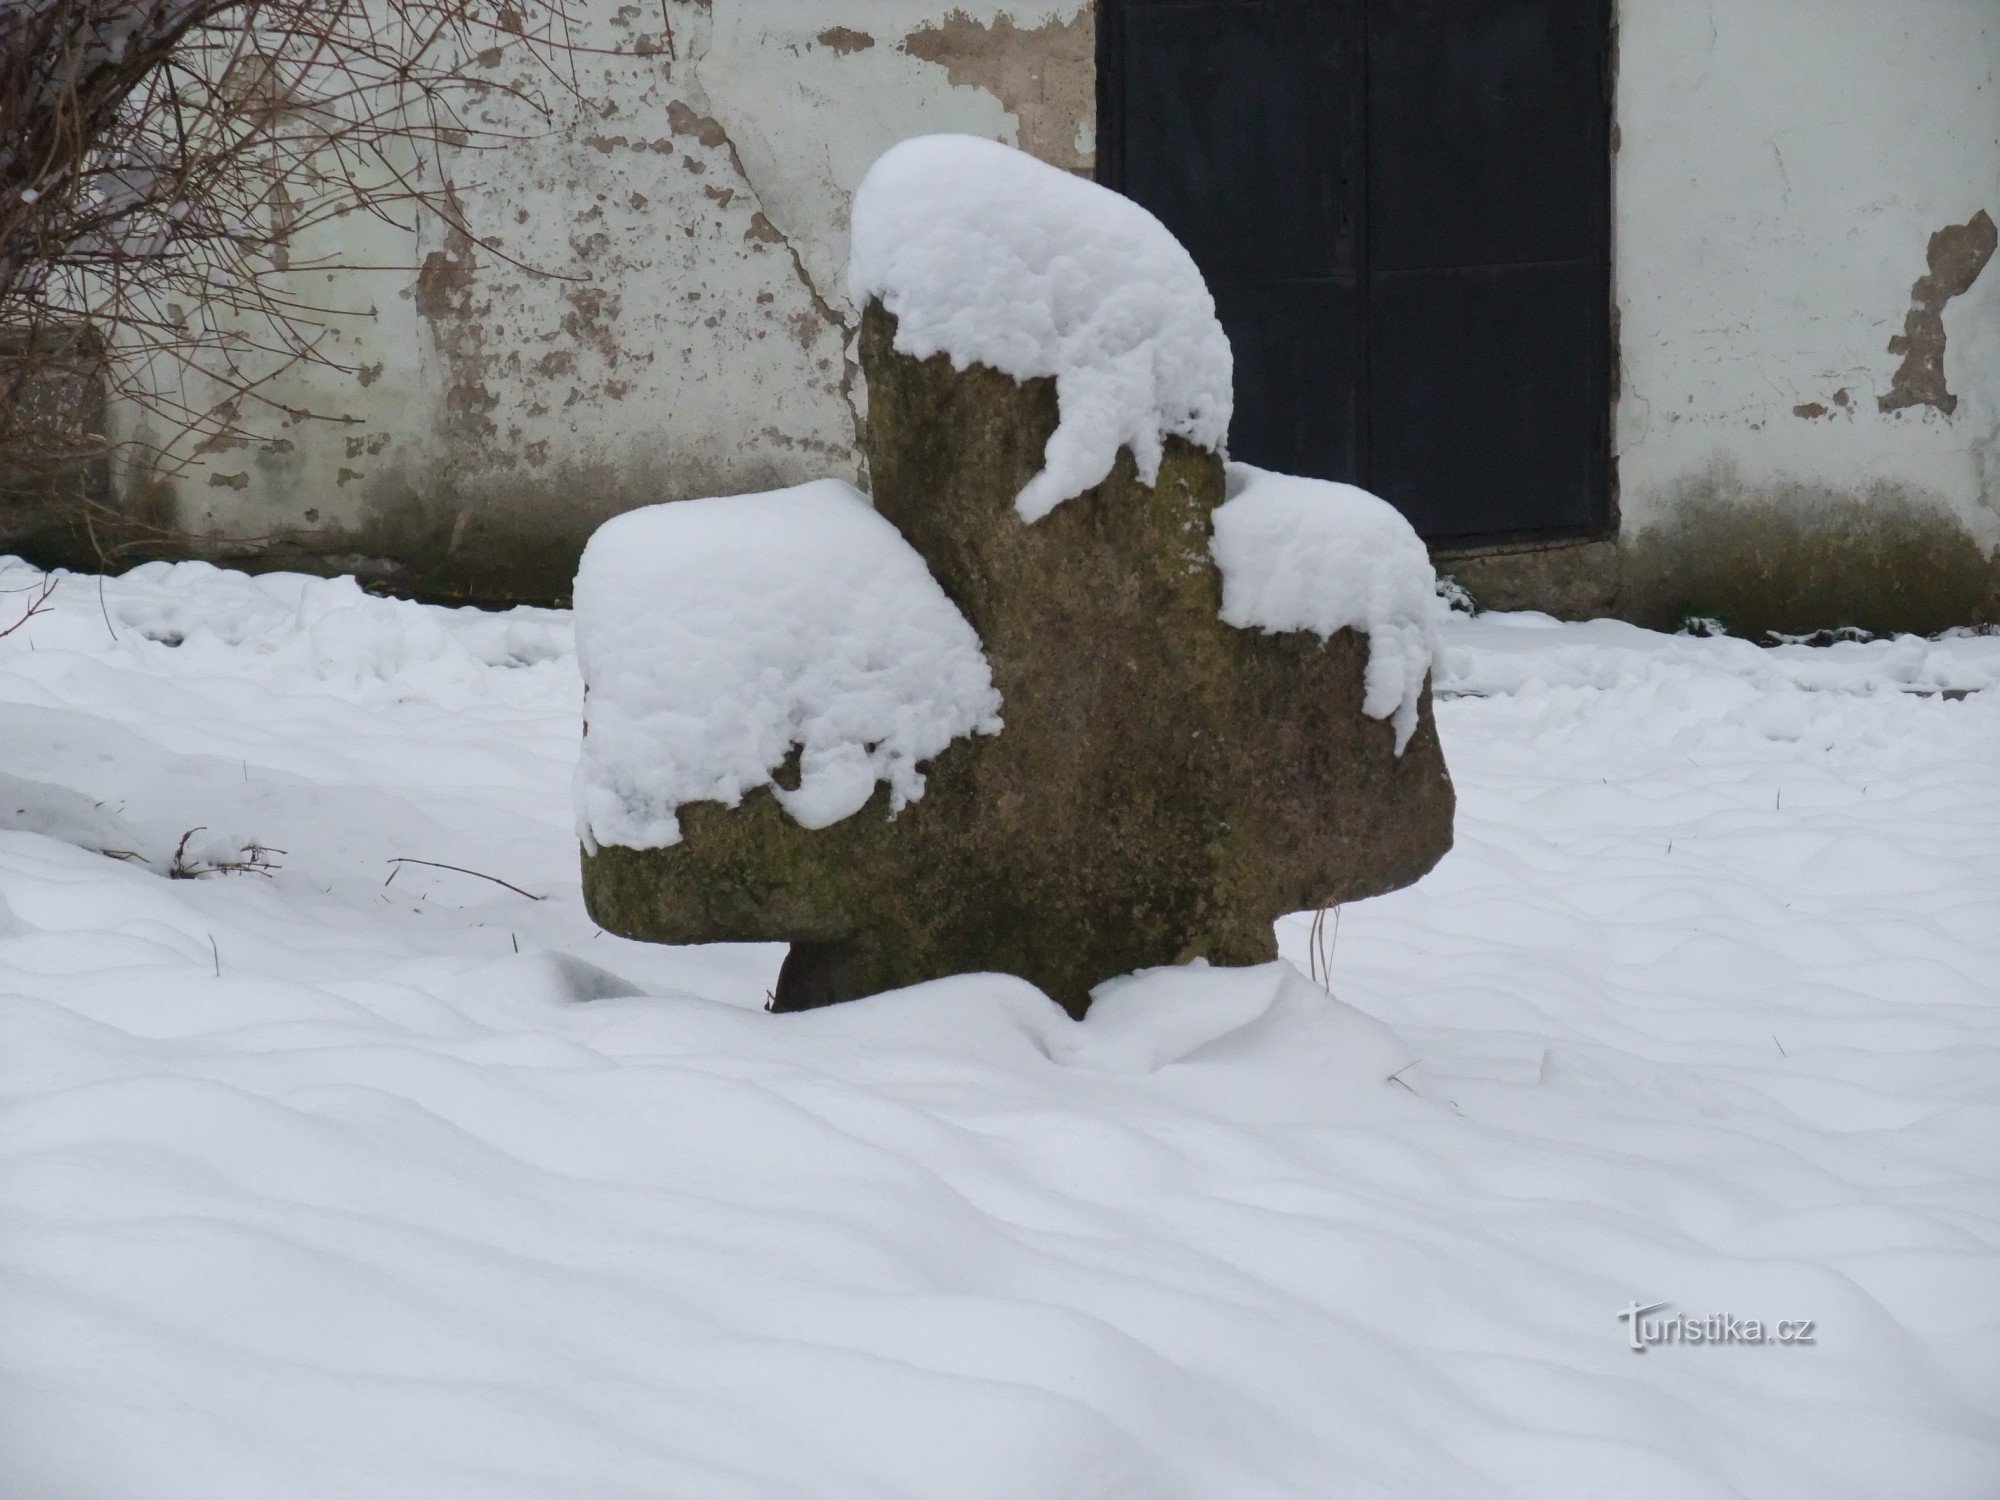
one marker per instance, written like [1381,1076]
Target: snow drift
[314,1186]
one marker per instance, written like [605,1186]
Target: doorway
[1402,208]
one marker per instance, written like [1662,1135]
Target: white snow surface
[1309,554]
[327,1183]
[717,636]
[991,257]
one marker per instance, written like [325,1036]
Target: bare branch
[158,160]
[462,870]
[37,605]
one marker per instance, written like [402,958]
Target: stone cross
[1165,784]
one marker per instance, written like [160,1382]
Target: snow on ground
[367,1179]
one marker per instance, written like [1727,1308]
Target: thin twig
[461,869]
[37,605]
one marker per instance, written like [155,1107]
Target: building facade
[1650,307]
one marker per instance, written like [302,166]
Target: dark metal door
[1402,209]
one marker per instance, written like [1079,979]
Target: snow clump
[1310,554]
[992,257]
[717,635]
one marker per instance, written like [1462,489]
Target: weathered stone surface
[1165,786]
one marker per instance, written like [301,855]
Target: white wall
[1781,168]
[695,337]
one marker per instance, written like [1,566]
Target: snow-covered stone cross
[1073,698]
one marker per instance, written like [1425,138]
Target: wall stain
[1794,556]
[604,145]
[1956,255]
[684,120]
[845,39]
[445,277]
[593,319]
[1045,76]
[444,296]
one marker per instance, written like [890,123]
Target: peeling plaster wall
[694,335]
[1807,422]
[1809,317]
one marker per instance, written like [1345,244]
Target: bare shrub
[161,162]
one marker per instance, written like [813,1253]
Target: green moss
[1795,558]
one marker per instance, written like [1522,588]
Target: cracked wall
[692,334]
[1808,427]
